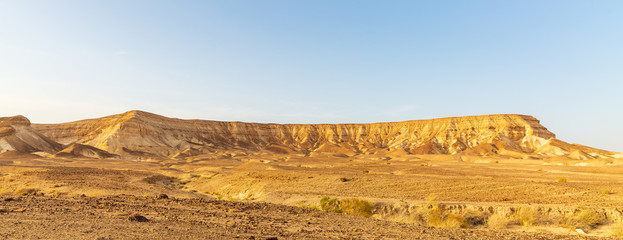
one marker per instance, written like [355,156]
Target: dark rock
[162,196]
[138,218]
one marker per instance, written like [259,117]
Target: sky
[318,61]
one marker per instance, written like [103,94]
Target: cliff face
[137,133]
[16,134]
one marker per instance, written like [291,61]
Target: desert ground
[140,175]
[261,196]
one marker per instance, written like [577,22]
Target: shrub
[343,179]
[527,216]
[330,204]
[474,218]
[561,180]
[606,192]
[497,221]
[585,219]
[616,229]
[26,191]
[355,206]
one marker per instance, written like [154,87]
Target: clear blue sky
[318,61]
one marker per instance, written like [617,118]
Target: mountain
[138,134]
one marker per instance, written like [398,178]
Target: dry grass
[26,191]
[352,206]
[330,204]
[527,216]
[497,221]
[585,219]
[355,206]
[616,229]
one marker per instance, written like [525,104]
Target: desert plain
[139,175]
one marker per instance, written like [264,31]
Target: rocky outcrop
[17,135]
[138,133]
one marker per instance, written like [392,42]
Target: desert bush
[452,221]
[561,180]
[497,221]
[585,219]
[26,191]
[616,229]
[527,216]
[343,179]
[434,214]
[355,206]
[474,218]
[606,192]
[330,204]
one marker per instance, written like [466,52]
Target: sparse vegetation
[527,216]
[561,180]
[434,214]
[585,219]
[352,206]
[366,171]
[26,191]
[355,206]
[616,229]
[606,192]
[330,204]
[497,221]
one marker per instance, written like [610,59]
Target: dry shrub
[330,204]
[355,206]
[497,221]
[352,206]
[585,219]
[561,180]
[527,216]
[616,229]
[26,191]
[434,214]
[474,218]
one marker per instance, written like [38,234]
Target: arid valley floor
[142,176]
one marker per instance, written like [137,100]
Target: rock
[137,218]
[16,134]
[162,196]
[138,134]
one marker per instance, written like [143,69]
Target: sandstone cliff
[142,134]
[17,135]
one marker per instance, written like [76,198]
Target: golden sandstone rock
[138,134]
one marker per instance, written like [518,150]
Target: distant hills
[139,135]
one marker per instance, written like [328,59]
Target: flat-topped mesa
[138,133]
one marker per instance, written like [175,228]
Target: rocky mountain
[138,134]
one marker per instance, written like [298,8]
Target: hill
[138,134]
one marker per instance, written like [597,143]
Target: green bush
[330,204]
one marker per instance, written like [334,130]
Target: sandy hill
[143,134]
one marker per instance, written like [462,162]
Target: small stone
[162,196]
